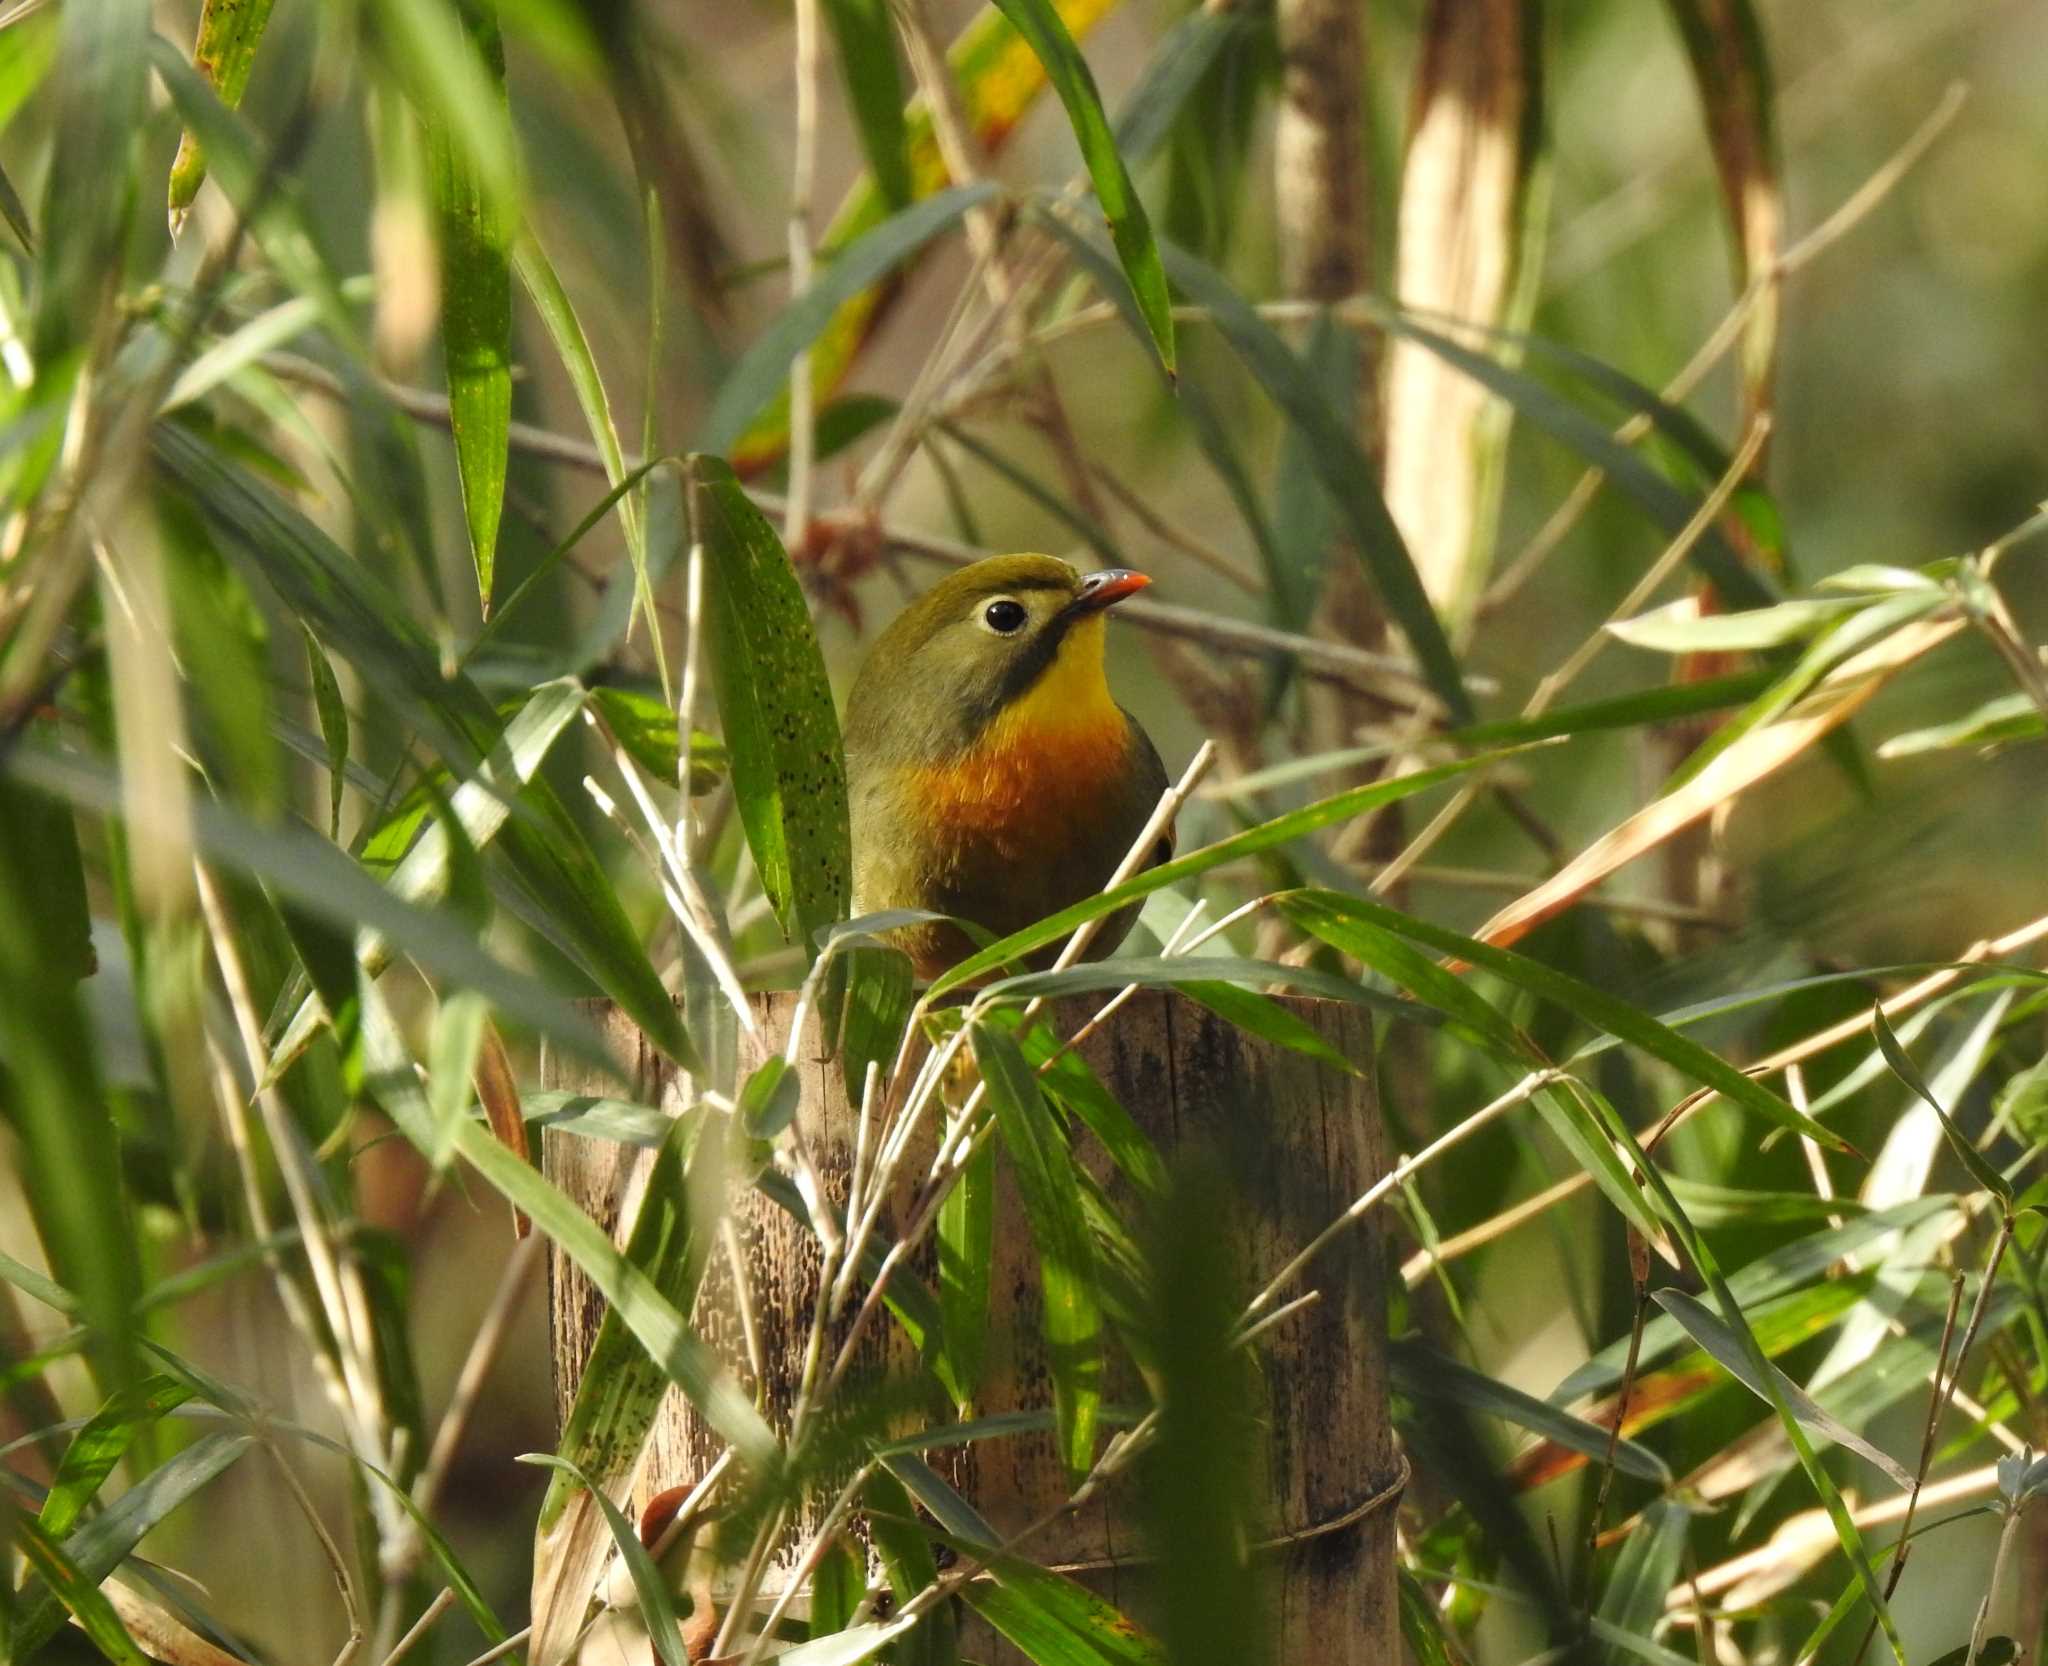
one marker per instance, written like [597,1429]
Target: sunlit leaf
[781,728]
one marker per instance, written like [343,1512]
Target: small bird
[992,776]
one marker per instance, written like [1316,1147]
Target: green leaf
[1981,1168]
[967,1237]
[1681,628]
[332,712]
[70,1154]
[1420,1371]
[781,729]
[1039,22]
[1266,836]
[229,33]
[99,113]
[544,288]
[657,1608]
[871,992]
[1733,1356]
[1045,1177]
[101,1444]
[874,89]
[1341,467]
[2010,717]
[458,1036]
[98,1546]
[1647,1569]
[753,384]
[645,726]
[1591,1005]
[768,1100]
[1180,60]
[474,239]
[88,1604]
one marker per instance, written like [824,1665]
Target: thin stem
[803,172]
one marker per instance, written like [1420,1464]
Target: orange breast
[1024,785]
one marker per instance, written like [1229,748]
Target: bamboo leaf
[98,111]
[1734,1357]
[1420,1370]
[1340,466]
[1593,1006]
[1981,1168]
[101,1444]
[763,370]
[1038,21]
[332,712]
[1682,628]
[967,1228]
[59,1110]
[229,33]
[1647,1569]
[781,729]
[1996,723]
[87,1603]
[474,238]
[1044,1167]
[874,89]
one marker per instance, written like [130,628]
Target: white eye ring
[1005,616]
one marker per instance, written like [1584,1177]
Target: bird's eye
[1005,617]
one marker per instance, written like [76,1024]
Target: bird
[991,775]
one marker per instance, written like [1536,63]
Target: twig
[484,1348]
[434,1610]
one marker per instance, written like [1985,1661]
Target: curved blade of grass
[101,1444]
[750,386]
[1179,62]
[1418,1369]
[474,237]
[781,728]
[1266,836]
[657,1608]
[1996,723]
[551,301]
[97,1547]
[874,90]
[1342,468]
[332,712]
[1044,1169]
[1038,21]
[229,33]
[82,1597]
[1593,1006]
[1981,1169]
[1730,1353]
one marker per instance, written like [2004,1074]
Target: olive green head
[973,646]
